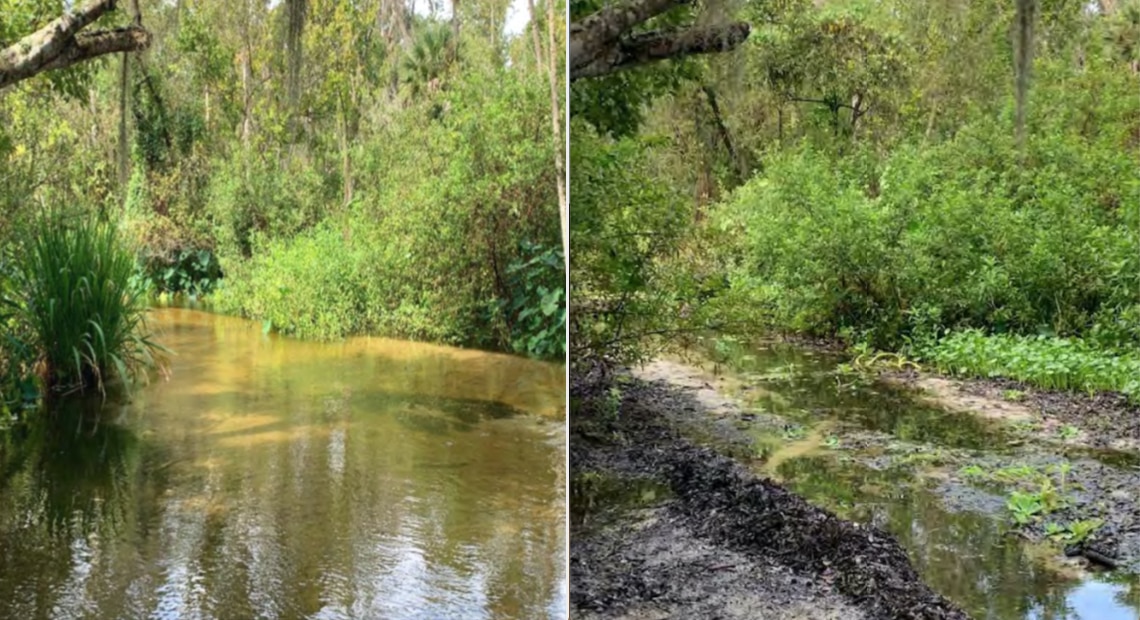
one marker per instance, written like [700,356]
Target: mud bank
[1102,420]
[692,533]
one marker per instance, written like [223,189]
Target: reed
[84,315]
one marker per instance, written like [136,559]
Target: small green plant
[612,404]
[972,471]
[832,442]
[1080,531]
[1024,507]
[1073,533]
[1055,531]
[1051,497]
[192,271]
[1053,363]
[1013,395]
[1068,432]
[535,310]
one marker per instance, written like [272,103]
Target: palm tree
[428,57]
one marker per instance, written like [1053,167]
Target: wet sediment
[763,550]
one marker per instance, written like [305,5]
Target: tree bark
[601,43]
[61,43]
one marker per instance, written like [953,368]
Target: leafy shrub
[626,228]
[535,310]
[966,234]
[195,271]
[253,196]
[74,294]
[425,249]
[17,382]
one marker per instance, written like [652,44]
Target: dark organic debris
[753,522]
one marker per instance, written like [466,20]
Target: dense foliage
[856,172]
[367,169]
[967,233]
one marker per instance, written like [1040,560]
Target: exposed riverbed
[933,464]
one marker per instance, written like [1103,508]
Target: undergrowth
[1067,364]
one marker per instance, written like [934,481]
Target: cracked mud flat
[722,543]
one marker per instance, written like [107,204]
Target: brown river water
[268,477]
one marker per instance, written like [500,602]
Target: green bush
[74,294]
[17,382]
[253,196]
[627,225]
[438,243]
[966,234]
[535,309]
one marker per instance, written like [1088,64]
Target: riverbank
[682,531]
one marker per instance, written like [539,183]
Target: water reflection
[283,479]
[969,557]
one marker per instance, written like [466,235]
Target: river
[267,477]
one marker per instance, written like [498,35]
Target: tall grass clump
[74,294]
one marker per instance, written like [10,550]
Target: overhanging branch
[88,45]
[61,43]
[602,29]
[662,44]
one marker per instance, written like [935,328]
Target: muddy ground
[1039,430]
[1096,437]
[664,528]
[1105,420]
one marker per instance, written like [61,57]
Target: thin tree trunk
[246,79]
[555,117]
[454,29]
[726,138]
[1023,61]
[124,159]
[556,129]
[345,161]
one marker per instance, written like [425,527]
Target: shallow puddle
[969,556]
[275,478]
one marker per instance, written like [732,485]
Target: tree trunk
[124,143]
[1023,61]
[454,30]
[61,43]
[345,160]
[738,166]
[246,79]
[555,117]
[556,125]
